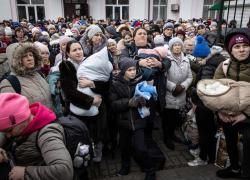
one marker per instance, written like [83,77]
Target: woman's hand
[224,117]
[145,63]
[238,118]
[17,173]
[155,63]
[3,155]
[84,82]
[97,100]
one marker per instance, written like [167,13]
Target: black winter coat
[69,83]
[120,93]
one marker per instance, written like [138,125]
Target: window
[31,10]
[117,9]
[159,9]
[209,13]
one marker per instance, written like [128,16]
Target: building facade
[34,10]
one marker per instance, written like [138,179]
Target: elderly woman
[24,65]
[179,78]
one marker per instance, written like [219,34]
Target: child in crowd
[131,125]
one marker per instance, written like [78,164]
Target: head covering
[111,41]
[111,30]
[92,30]
[64,39]
[75,30]
[35,29]
[235,31]
[168,25]
[14,109]
[200,26]
[159,40]
[126,63]
[41,47]
[10,50]
[68,33]
[174,41]
[8,31]
[236,39]
[51,26]
[181,32]
[201,48]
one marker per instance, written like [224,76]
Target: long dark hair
[69,45]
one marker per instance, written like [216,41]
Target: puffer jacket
[51,160]
[33,85]
[179,73]
[120,93]
[41,148]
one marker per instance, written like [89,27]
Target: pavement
[175,167]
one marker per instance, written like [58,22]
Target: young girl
[131,125]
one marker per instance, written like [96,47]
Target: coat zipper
[130,112]
[238,72]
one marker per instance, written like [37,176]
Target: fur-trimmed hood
[19,52]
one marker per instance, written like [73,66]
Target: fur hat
[111,41]
[14,109]
[168,25]
[126,63]
[35,29]
[174,41]
[201,48]
[92,30]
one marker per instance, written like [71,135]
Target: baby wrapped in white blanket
[97,67]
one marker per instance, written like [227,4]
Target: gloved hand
[178,90]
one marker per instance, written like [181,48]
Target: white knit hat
[174,41]
[8,31]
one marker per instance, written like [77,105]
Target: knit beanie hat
[35,29]
[92,30]
[51,26]
[14,109]
[64,39]
[159,40]
[181,32]
[75,30]
[8,31]
[236,39]
[168,25]
[201,48]
[173,41]
[41,47]
[126,63]
[111,41]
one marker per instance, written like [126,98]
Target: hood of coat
[177,59]
[16,61]
[42,117]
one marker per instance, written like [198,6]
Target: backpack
[76,137]
[15,83]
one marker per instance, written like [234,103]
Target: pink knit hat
[162,51]
[14,109]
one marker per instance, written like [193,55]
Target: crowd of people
[116,77]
